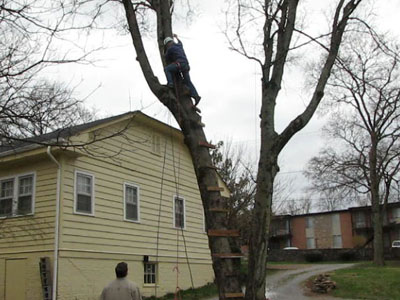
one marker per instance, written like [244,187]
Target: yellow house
[126,191]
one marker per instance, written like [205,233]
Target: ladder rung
[215,189]
[218,209]
[207,145]
[223,232]
[227,255]
[234,295]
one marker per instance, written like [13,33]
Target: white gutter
[57,224]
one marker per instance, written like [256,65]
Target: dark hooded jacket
[175,53]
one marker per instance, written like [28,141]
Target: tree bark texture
[375,204]
[180,104]
[271,142]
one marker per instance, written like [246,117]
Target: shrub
[347,256]
[313,257]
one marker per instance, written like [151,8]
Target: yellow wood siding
[32,232]
[130,159]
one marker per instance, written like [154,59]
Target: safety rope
[176,180]
[177,295]
[159,211]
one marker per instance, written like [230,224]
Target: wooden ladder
[45,276]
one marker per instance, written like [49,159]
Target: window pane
[7,188]
[84,184]
[84,204]
[337,241]
[150,273]
[310,243]
[84,193]
[131,194]
[25,185]
[24,205]
[179,213]
[131,212]
[5,207]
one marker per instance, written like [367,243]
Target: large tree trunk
[225,265]
[376,215]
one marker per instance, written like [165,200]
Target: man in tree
[177,63]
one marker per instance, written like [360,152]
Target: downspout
[57,225]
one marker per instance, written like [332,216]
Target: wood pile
[323,284]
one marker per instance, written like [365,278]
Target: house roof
[350,209]
[58,136]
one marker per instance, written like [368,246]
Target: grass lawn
[365,281]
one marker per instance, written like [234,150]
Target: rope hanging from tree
[177,294]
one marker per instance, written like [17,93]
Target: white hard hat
[167,40]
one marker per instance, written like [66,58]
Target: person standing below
[121,288]
[177,62]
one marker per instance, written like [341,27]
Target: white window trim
[15,193]
[156,149]
[156,275]
[138,201]
[75,192]
[184,212]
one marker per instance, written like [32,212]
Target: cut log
[215,189]
[207,145]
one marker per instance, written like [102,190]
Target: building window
[17,195]
[179,212]
[150,273]
[309,222]
[156,144]
[84,193]
[337,241]
[359,219]
[131,196]
[396,213]
[310,243]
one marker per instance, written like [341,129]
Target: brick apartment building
[334,229]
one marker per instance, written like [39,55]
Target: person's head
[121,270]
[168,41]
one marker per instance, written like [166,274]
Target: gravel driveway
[286,284]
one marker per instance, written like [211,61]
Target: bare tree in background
[31,32]
[365,89]
[40,109]
[238,174]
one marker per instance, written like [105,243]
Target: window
[150,273]
[359,219]
[309,222]
[84,193]
[131,196]
[179,212]
[17,195]
[337,241]
[310,243]
[156,144]
[396,213]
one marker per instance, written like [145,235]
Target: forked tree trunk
[180,104]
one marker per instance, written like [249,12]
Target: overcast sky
[228,83]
